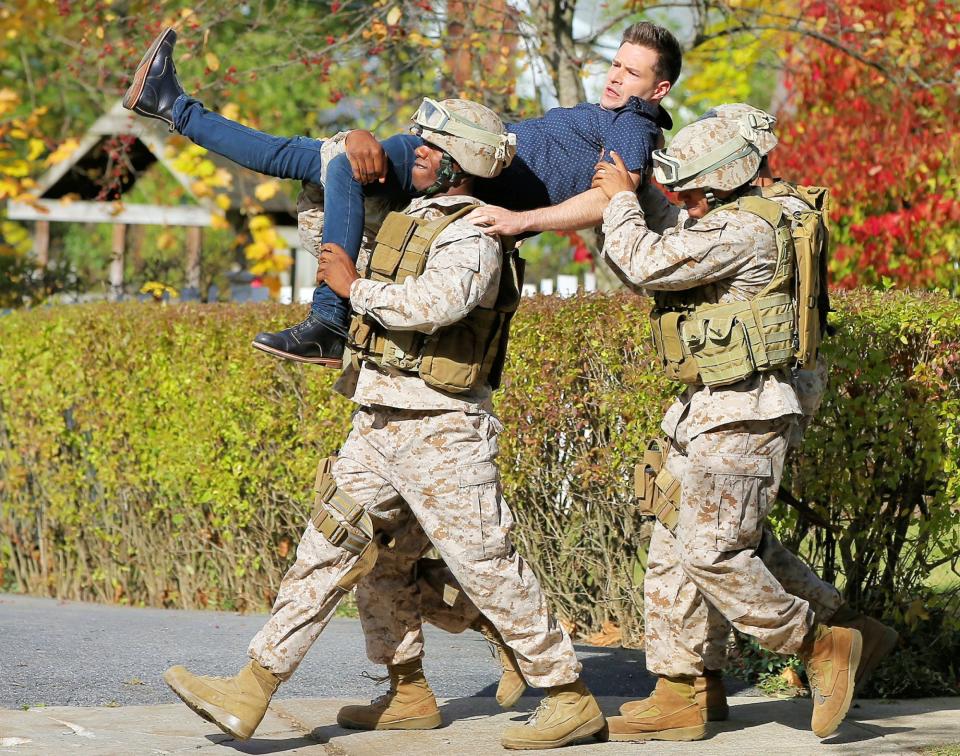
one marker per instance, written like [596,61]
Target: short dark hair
[663,43]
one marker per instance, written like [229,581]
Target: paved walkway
[473,726]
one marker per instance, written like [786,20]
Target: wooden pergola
[67,193]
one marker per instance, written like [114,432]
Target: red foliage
[884,141]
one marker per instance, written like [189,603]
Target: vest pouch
[452,359]
[393,238]
[720,347]
[400,350]
[665,329]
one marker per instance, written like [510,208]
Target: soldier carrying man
[725,323]
[429,333]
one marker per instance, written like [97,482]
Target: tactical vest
[457,358]
[700,342]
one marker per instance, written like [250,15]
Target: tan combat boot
[408,705]
[234,704]
[878,640]
[511,685]
[831,656]
[568,713]
[710,694]
[670,713]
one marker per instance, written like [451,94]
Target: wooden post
[41,244]
[116,262]
[194,247]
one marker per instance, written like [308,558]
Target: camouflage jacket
[462,272]
[728,256]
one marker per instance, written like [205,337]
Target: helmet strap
[447,176]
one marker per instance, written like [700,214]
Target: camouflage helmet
[716,152]
[765,139]
[469,132]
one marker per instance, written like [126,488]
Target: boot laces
[542,708]
[384,698]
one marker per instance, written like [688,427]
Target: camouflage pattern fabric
[450,496]
[723,566]
[423,464]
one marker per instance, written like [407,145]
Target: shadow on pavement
[261,745]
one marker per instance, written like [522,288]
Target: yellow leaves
[8,100]
[166,240]
[266,253]
[266,190]
[35,149]
[16,168]
[201,189]
[219,223]
[212,61]
[231,111]
[394,15]
[62,152]
[99,32]
[222,201]
[156,289]
[821,23]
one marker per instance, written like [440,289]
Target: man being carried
[554,165]
[429,334]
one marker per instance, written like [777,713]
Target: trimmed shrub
[149,456]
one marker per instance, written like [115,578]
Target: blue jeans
[299,158]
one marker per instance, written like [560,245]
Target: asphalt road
[75,654]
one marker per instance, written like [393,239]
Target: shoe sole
[868,664]
[595,728]
[714,714]
[213,714]
[325,361]
[854,662]
[429,722]
[132,96]
[675,733]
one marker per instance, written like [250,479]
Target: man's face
[695,200]
[425,167]
[631,75]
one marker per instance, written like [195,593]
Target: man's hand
[366,156]
[336,270]
[499,220]
[613,178]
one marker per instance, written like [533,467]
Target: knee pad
[344,523]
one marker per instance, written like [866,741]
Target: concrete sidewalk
[757,725]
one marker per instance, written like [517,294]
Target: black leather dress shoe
[155,86]
[311,341]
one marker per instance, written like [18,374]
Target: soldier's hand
[366,156]
[498,220]
[336,269]
[613,178]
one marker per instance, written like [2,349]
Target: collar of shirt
[419,206]
[652,110]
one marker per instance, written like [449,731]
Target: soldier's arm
[710,250]
[462,267]
[585,210]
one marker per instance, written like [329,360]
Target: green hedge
[148,455]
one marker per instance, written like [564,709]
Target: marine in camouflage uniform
[728,443]
[418,468]
[707,629]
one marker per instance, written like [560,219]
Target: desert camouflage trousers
[724,565]
[425,477]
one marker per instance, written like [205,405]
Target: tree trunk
[554,20]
